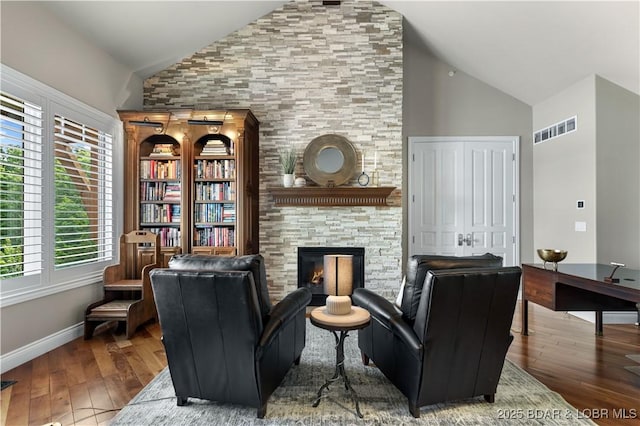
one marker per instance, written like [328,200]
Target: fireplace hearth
[311,263]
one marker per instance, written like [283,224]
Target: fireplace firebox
[311,264]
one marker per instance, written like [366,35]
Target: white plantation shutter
[83,193]
[20,187]
[58,230]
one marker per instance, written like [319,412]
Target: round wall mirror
[329,160]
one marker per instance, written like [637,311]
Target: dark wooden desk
[579,287]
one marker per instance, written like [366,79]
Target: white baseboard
[609,317]
[33,350]
[620,317]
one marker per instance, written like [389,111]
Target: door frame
[515,142]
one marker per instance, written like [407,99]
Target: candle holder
[375,177]
[363,179]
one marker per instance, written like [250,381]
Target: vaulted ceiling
[528,49]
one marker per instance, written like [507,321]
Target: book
[172,192]
[215,147]
[162,150]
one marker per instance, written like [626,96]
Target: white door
[463,196]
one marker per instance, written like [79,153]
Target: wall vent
[562,128]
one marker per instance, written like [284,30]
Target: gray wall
[598,163]
[618,174]
[38,44]
[564,172]
[28,322]
[435,104]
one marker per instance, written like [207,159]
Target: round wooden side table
[358,318]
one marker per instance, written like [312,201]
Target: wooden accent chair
[128,297]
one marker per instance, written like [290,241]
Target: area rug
[520,399]
[635,369]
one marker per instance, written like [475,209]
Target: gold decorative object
[552,255]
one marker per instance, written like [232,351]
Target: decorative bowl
[552,255]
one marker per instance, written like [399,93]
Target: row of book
[215,169]
[216,191]
[216,236]
[169,237]
[160,169]
[160,191]
[160,213]
[215,213]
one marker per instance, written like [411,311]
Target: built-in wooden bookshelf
[191,176]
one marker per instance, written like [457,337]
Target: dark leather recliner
[450,339]
[223,339]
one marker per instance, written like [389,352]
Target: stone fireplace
[310,269]
[306,70]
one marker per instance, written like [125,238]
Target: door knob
[468,240]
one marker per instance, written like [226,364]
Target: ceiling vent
[562,128]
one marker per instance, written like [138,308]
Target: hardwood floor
[86,382]
[563,352]
[83,382]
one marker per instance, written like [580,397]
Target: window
[20,187]
[57,221]
[83,229]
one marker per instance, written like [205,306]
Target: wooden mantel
[320,196]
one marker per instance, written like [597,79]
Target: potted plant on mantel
[288,163]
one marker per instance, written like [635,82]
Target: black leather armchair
[223,339]
[450,337]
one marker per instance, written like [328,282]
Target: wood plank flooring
[86,382]
[563,352]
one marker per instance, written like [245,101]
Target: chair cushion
[417,268]
[252,262]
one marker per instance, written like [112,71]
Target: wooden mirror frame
[321,177]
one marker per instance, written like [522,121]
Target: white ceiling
[528,49]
